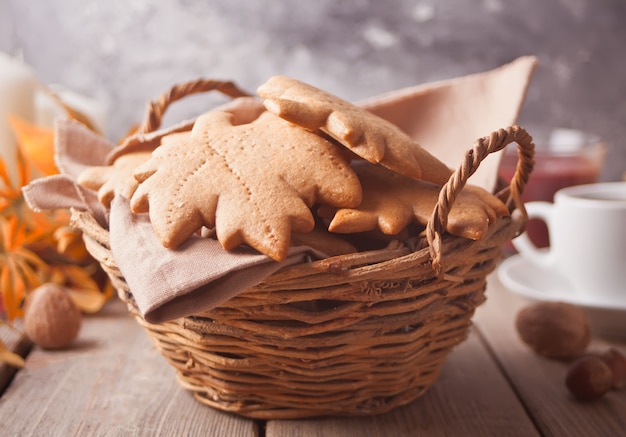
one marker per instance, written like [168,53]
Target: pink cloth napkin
[445,118]
[198,275]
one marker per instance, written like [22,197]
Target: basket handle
[473,157]
[156,108]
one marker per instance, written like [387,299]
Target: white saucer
[526,279]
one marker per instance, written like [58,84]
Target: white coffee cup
[587,231]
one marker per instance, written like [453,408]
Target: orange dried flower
[38,247]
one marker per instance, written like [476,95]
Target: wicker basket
[349,335]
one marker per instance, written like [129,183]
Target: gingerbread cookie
[136,149]
[254,183]
[367,135]
[116,178]
[392,201]
[244,110]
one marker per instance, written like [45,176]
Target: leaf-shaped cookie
[244,110]
[367,135]
[254,182]
[392,201]
[117,178]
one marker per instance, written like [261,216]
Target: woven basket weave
[349,335]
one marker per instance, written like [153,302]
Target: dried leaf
[9,357]
[11,194]
[70,243]
[4,175]
[14,288]
[36,144]
[88,300]
[80,283]
[10,301]
[255,182]
[19,267]
[69,110]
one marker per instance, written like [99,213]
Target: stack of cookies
[294,165]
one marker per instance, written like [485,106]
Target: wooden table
[114,383]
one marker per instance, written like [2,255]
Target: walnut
[554,329]
[589,378]
[51,318]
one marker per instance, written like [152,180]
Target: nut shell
[51,318]
[589,378]
[554,329]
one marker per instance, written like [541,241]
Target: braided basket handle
[473,157]
[156,108]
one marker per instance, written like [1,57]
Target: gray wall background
[125,52]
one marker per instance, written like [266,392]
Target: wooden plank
[471,398]
[540,381]
[111,382]
[16,342]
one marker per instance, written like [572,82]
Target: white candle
[17,97]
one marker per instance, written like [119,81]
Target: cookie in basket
[392,201]
[114,179]
[254,183]
[136,149]
[244,110]
[369,136]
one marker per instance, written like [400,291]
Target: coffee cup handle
[523,244]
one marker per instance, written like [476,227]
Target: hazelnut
[554,329]
[589,378]
[51,318]
[617,363]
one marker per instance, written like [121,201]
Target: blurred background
[126,52]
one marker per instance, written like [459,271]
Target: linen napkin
[447,116]
[199,274]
